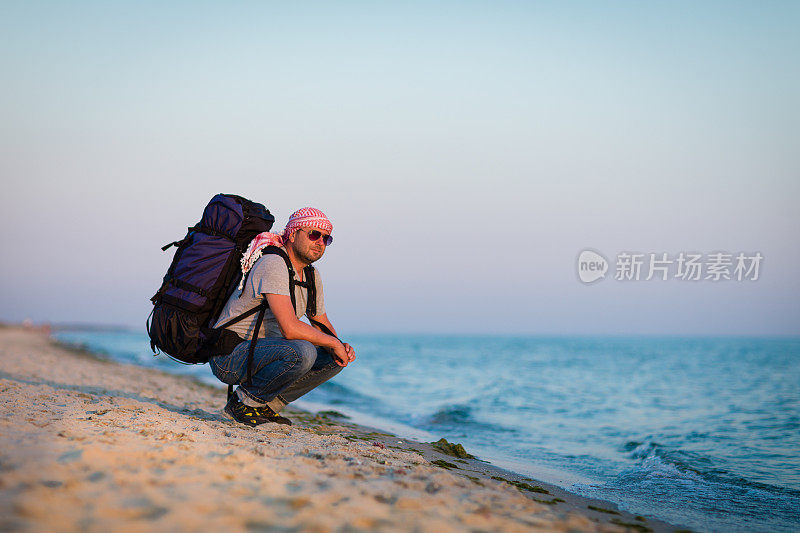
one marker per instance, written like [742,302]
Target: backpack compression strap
[260,309]
[252,348]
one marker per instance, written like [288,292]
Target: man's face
[306,249]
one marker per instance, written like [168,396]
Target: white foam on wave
[653,464]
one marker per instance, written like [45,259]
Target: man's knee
[334,370]
[306,354]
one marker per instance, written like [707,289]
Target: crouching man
[289,357]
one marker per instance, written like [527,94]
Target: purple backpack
[204,272]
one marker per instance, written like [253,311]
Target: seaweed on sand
[455,450]
[521,485]
[444,464]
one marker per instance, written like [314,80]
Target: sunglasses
[314,234]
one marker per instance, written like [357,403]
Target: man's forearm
[301,331]
[323,320]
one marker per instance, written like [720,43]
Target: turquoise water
[702,432]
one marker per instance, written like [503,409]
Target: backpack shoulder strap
[281,252]
[277,250]
[311,285]
[309,280]
[311,304]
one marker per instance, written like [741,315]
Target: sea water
[701,432]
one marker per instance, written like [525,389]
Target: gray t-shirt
[268,276]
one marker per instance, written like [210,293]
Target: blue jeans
[283,370]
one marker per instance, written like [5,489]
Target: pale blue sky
[466,152]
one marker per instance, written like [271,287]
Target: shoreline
[93,444]
[554,477]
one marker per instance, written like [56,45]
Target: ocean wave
[655,459]
[462,420]
[689,485]
[451,414]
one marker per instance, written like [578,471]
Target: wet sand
[92,445]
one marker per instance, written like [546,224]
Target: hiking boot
[268,415]
[253,416]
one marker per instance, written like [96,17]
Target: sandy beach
[92,445]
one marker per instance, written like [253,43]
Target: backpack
[204,272]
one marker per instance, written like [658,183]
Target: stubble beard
[306,257]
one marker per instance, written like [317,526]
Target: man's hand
[351,353]
[343,354]
[292,328]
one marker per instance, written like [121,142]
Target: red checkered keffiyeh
[307,217]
